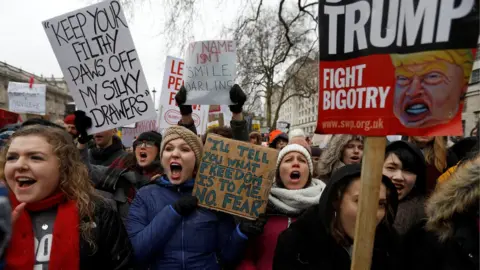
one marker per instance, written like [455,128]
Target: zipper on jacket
[183,248]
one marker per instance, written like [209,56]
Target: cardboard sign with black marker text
[101,66]
[235,177]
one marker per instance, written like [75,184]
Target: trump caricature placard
[395,67]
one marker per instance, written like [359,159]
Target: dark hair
[337,231]
[410,162]
[222,131]
[42,122]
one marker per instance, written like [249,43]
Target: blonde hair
[435,152]
[74,179]
[461,57]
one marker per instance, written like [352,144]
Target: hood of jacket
[459,195]
[313,227]
[421,181]
[100,156]
[331,158]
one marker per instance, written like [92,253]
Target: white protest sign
[23,99]
[169,113]
[98,59]
[210,69]
[129,134]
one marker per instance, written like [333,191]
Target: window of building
[475,76]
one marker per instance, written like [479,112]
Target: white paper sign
[95,50]
[209,73]
[129,134]
[23,99]
[169,113]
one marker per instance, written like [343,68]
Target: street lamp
[154,99]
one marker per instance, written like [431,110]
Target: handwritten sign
[23,99]
[101,66]
[235,177]
[210,71]
[169,111]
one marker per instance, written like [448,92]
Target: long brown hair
[74,179]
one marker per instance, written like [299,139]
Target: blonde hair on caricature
[462,58]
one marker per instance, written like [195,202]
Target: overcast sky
[23,42]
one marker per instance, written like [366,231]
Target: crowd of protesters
[70,200]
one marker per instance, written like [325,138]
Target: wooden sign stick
[373,158]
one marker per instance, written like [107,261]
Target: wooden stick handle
[372,163]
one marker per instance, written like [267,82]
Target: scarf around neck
[65,251]
[295,201]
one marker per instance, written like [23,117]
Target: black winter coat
[113,248]
[308,243]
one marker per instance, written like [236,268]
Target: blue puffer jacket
[162,239]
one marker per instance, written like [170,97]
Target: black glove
[181,98]
[253,228]
[238,97]
[82,123]
[185,205]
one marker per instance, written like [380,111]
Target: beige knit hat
[179,132]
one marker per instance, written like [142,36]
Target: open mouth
[25,182]
[417,110]
[143,155]
[176,170]
[355,159]
[295,175]
[398,187]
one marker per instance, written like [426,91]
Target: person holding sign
[238,125]
[293,192]
[60,221]
[165,225]
[322,238]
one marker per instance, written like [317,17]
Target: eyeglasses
[145,144]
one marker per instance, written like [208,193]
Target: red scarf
[65,252]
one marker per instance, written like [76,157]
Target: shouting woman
[60,222]
[167,228]
[294,191]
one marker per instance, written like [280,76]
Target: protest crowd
[136,210]
[183,196]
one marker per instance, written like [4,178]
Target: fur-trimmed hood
[330,160]
[459,195]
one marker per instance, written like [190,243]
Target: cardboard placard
[169,113]
[101,66]
[23,99]
[235,177]
[210,70]
[409,80]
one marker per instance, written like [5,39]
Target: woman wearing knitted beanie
[294,190]
[167,228]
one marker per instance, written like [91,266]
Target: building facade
[57,94]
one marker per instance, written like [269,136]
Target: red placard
[395,69]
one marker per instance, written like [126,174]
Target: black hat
[151,136]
